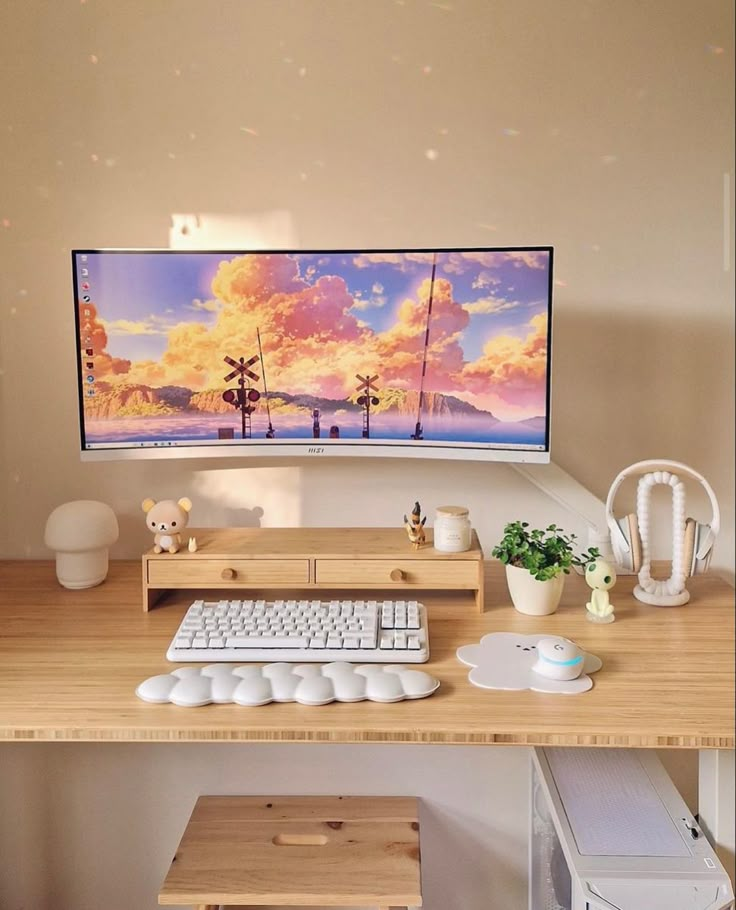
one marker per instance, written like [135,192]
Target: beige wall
[621,122]
[605,129]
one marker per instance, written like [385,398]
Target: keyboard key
[268,642]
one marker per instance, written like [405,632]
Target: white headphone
[692,542]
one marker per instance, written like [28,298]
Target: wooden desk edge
[184,734]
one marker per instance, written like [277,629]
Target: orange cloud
[400,348]
[512,372]
[310,339]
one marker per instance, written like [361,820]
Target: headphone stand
[661,600]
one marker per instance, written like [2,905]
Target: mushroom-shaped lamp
[80,532]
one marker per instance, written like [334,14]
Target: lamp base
[82,570]
[77,584]
[661,600]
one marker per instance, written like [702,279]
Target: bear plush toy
[167,519]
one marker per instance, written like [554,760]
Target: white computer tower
[609,831]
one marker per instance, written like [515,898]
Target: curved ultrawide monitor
[419,353]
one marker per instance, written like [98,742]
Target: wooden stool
[305,851]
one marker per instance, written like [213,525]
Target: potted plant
[537,561]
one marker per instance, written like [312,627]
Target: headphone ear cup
[625,543]
[635,542]
[698,564]
[688,546]
[619,529]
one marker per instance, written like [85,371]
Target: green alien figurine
[601,577]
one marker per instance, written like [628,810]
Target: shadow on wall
[628,386]
[217,496]
[131,530]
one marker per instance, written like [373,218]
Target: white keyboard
[364,631]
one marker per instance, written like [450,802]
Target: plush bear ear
[148,504]
[185,504]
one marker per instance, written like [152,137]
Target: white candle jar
[452,529]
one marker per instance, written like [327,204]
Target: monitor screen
[430,353]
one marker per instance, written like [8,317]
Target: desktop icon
[90,379]
[85,285]
[86,298]
[89,352]
[90,365]
[84,272]
[83,258]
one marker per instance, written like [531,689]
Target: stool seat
[305,851]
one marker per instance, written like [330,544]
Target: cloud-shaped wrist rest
[504,660]
[308,684]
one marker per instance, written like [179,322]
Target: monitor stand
[314,561]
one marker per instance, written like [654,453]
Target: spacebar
[292,641]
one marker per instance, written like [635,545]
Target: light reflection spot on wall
[247,497]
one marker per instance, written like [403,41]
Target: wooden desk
[70,662]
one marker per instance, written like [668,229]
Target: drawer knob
[398,575]
[228,574]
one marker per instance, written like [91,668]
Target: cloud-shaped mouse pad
[308,684]
[504,660]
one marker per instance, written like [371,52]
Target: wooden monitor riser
[313,560]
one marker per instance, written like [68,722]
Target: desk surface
[70,662]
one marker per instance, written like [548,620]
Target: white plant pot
[535,598]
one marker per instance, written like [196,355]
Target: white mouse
[558,658]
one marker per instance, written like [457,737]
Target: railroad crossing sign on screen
[241,368]
[366,383]
[366,399]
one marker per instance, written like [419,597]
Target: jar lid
[454,511]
